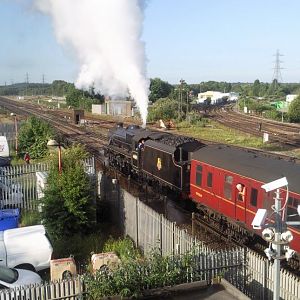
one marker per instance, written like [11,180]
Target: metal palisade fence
[72,289]
[260,279]
[19,185]
[249,272]
[9,130]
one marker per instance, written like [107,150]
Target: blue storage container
[9,218]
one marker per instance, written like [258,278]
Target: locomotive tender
[224,182]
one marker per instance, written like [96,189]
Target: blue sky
[197,40]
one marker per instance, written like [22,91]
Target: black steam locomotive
[157,157]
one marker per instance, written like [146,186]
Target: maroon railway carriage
[228,181]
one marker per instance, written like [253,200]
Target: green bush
[273,114]
[165,109]
[133,276]
[124,248]
[68,204]
[33,137]
[294,110]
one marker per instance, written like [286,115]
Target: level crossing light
[274,233]
[54,144]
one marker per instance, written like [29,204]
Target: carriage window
[253,197]
[241,191]
[293,202]
[199,175]
[209,179]
[292,213]
[296,203]
[228,187]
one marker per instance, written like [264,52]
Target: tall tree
[60,87]
[73,96]
[33,137]
[159,89]
[256,88]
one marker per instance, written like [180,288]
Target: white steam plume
[105,37]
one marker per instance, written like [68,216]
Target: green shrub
[68,207]
[165,109]
[124,248]
[135,275]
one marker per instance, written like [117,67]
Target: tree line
[158,89]
[173,99]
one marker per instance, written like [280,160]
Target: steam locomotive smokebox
[101,261]
[78,115]
[62,268]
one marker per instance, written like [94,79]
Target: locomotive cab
[183,152]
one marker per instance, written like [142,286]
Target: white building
[98,109]
[233,96]
[290,98]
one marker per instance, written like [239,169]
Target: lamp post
[187,104]
[16,130]
[179,102]
[54,144]
[181,96]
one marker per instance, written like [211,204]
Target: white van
[25,248]
[4,149]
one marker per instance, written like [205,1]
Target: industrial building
[114,108]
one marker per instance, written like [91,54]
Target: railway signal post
[276,234]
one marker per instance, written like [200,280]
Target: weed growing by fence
[124,248]
[133,276]
[30,217]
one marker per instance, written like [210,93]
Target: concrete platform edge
[233,290]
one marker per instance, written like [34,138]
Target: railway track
[95,140]
[282,133]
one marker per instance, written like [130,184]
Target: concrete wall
[98,109]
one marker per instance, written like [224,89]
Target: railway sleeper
[234,231]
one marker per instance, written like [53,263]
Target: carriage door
[241,194]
